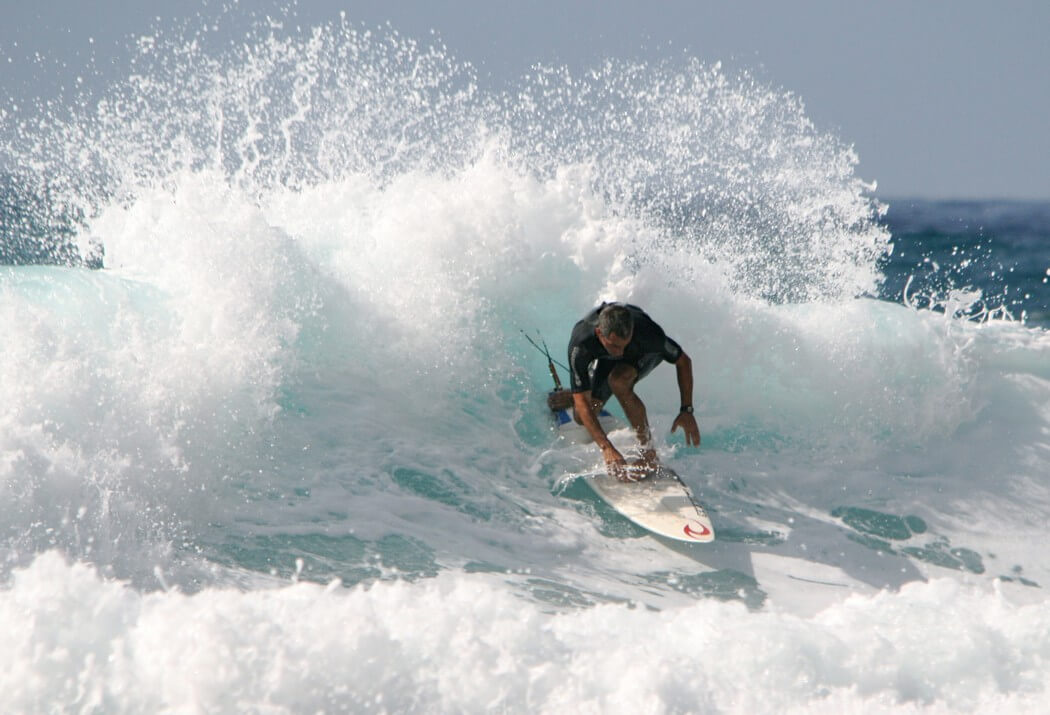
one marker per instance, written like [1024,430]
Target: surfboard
[660,503]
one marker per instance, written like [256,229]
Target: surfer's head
[615,328]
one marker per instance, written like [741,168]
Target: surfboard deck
[660,503]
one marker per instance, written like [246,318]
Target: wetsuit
[590,363]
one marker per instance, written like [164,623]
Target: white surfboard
[660,503]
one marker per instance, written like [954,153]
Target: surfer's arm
[684,367]
[685,420]
[584,408]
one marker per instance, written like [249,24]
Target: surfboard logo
[693,534]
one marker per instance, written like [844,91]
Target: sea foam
[76,641]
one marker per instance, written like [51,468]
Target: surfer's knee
[622,379]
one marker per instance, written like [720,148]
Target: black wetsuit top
[590,363]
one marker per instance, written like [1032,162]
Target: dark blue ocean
[272,440]
[1001,248]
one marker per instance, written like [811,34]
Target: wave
[350,353]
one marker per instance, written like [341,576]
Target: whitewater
[288,449]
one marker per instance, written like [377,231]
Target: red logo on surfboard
[691,533]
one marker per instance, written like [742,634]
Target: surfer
[613,347]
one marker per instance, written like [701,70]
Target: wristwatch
[688,409]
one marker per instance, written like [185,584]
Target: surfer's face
[613,343]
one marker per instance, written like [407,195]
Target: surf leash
[547,353]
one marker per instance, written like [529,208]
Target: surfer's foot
[634,471]
[648,459]
[625,472]
[630,474]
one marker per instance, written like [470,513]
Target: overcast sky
[940,98]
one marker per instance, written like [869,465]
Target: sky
[940,98]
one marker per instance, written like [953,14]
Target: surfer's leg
[622,380]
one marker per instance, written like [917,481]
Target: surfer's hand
[616,465]
[559,400]
[688,424]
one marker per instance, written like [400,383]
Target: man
[610,350]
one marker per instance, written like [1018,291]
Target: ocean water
[287,450]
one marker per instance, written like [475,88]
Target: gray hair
[616,320]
